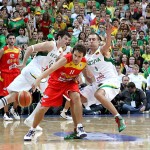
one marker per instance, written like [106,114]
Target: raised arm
[106,47]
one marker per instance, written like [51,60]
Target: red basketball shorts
[53,95]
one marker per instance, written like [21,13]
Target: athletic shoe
[121,123]
[30,135]
[72,136]
[6,117]
[65,116]
[29,124]
[14,113]
[80,131]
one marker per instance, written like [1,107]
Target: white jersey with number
[34,69]
[101,67]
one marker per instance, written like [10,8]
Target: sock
[33,129]
[79,125]
[65,110]
[31,117]
[3,102]
[117,115]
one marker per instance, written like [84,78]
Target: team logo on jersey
[12,56]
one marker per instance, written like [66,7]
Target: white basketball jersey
[101,67]
[45,62]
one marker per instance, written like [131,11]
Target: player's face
[11,40]
[77,57]
[64,40]
[93,41]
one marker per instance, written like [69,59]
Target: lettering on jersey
[92,62]
[100,77]
[45,96]
[12,66]
[65,77]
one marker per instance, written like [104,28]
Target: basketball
[24,99]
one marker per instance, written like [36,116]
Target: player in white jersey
[106,85]
[47,53]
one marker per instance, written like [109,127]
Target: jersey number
[72,72]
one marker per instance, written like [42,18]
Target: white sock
[3,102]
[65,110]
[79,125]
[33,129]
[117,115]
[31,116]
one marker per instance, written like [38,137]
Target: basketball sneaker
[6,117]
[121,123]
[80,131]
[14,113]
[65,116]
[29,124]
[30,135]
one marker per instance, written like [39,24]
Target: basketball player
[106,86]
[47,53]
[62,81]
[9,59]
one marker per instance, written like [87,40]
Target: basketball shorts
[25,80]
[53,95]
[111,88]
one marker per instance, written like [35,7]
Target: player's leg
[37,119]
[64,111]
[8,99]
[29,120]
[76,107]
[101,95]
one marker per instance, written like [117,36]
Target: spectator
[136,77]
[21,39]
[133,99]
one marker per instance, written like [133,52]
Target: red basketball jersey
[9,60]
[68,72]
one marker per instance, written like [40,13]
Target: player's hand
[108,28]
[36,84]
[21,66]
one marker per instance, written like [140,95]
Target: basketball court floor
[102,134]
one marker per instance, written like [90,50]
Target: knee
[98,94]
[76,99]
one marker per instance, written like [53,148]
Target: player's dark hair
[80,48]
[99,38]
[62,33]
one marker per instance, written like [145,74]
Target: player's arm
[44,46]
[61,62]
[88,75]
[1,53]
[106,47]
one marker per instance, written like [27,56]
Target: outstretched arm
[45,46]
[105,48]
[61,62]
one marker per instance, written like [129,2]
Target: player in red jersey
[62,81]
[9,58]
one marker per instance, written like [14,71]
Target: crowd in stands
[35,21]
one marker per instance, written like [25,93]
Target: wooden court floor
[102,134]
